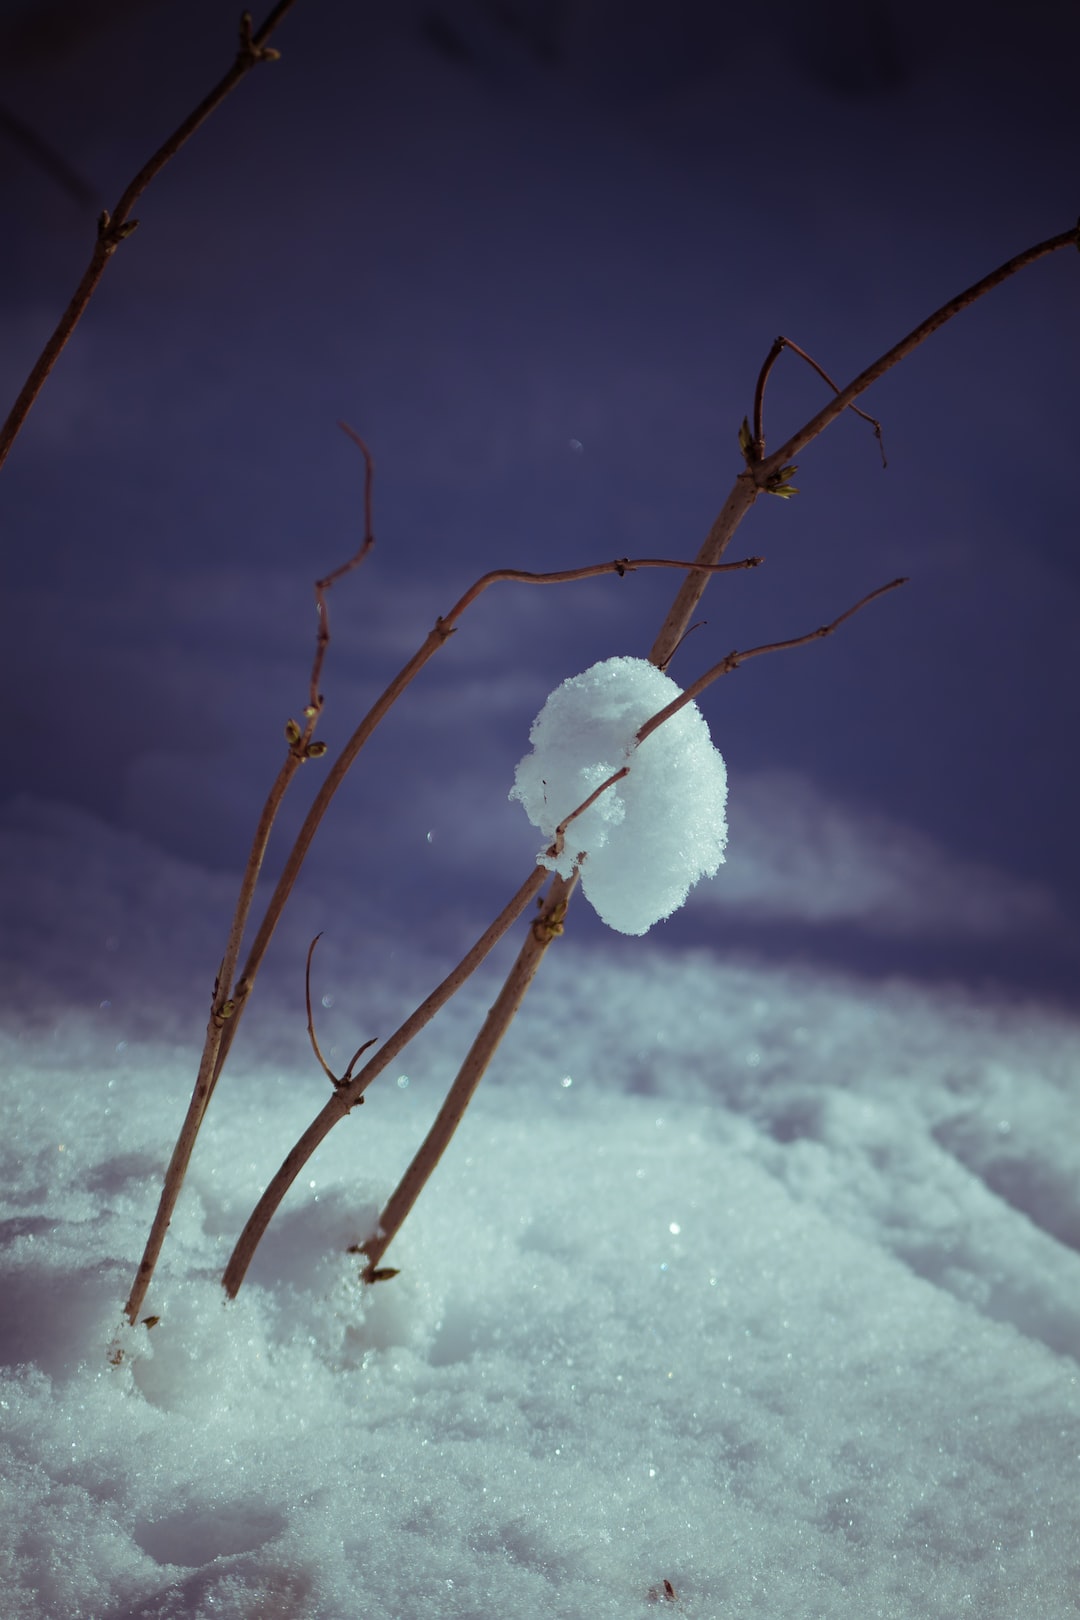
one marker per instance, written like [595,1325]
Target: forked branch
[907,345]
[753,444]
[757,478]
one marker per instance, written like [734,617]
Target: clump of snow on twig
[652,835]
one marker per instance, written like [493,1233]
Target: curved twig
[546,927]
[322,638]
[314,1039]
[113,228]
[734,659]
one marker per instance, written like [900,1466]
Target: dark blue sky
[536,254]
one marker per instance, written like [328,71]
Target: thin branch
[724,667]
[113,228]
[566,576]
[749,484]
[546,928]
[743,494]
[312,1037]
[222,1011]
[907,345]
[734,659]
[754,449]
[699,624]
[559,843]
[322,639]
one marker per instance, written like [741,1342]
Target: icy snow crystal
[649,838]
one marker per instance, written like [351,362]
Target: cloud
[796,854]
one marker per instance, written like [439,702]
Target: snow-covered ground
[755,1267]
[759,1281]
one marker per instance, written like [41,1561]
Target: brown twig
[115,226]
[566,576]
[322,638]
[734,659]
[314,1039]
[546,927]
[222,1011]
[749,484]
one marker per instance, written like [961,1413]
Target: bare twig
[566,576]
[734,659]
[322,638]
[314,1039]
[545,928]
[222,1011]
[113,228]
[755,479]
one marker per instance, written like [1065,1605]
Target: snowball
[652,835]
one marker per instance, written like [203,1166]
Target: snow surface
[759,1281]
[648,838]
